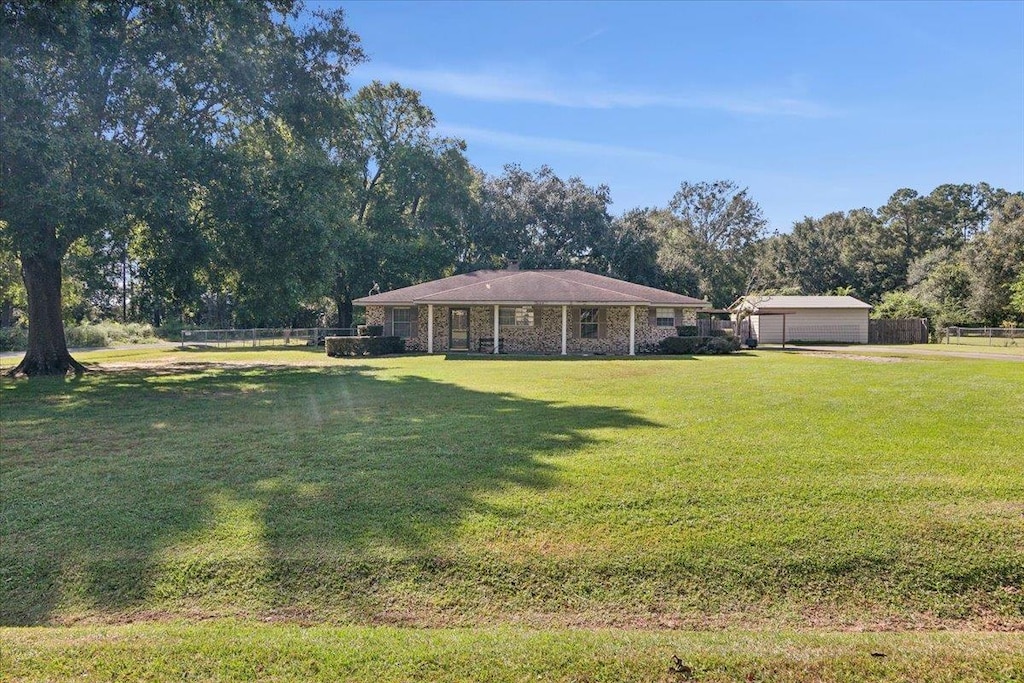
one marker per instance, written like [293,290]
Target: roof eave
[524,302]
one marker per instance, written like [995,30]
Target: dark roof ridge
[475,284]
[587,284]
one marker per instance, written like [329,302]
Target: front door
[459,329]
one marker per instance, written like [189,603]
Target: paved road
[895,350]
[154,345]
[855,349]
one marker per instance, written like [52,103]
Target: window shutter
[652,316]
[414,319]
[573,322]
[389,322]
[680,315]
[602,323]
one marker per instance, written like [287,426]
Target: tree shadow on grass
[245,488]
[590,358]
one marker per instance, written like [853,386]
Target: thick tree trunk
[47,352]
[345,312]
[343,301]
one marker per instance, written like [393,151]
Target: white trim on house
[565,328]
[632,330]
[430,328]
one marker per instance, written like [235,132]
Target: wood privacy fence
[907,331]
[705,327]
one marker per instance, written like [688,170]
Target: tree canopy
[206,162]
[119,114]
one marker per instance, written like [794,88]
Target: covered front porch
[560,329]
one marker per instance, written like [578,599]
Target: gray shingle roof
[521,287]
[772,303]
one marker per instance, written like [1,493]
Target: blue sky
[814,106]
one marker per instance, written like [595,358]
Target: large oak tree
[114,113]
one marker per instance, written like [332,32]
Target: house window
[588,323]
[401,322]
[665,317]
[515,316]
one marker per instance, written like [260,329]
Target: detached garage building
[778,319]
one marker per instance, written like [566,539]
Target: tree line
[207,163]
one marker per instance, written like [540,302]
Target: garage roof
[791,303]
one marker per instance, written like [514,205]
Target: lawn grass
[519,497]
[232,651]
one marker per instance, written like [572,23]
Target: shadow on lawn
[590,358]
[263,479]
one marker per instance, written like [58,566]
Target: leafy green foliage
[698,346]
[997,257]
[897,305]
[115,115]
[707,239]
[275,215]
[632,248]
[414,197]
[542,220]
[364,346]
[1017,295]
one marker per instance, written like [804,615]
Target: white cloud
[506,86]
[590,36]
[515,141]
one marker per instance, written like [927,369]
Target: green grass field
[756,513]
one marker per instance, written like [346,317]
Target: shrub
[86,335]
[13,338]
[107,333]
[687,331]
[363,346]
[720,345]
[679,345]
[698,346]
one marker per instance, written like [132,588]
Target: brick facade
[545,336]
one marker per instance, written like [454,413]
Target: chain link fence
[983,336]
[264,336]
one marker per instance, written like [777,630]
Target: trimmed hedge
[698,346]
[687,330]
[363,346]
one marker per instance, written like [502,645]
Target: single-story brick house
[778,319]
[530,311]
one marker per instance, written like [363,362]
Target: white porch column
[496,328]
[632,330]
[565,329]
[430,328]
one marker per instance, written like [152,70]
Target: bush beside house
[363,346]
[699,346]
